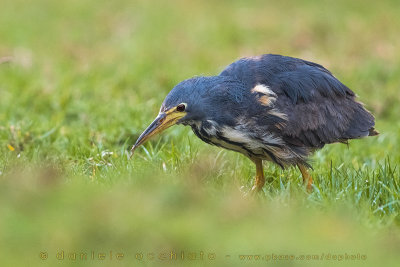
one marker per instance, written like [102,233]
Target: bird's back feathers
[318,107]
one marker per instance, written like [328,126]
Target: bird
[271,108]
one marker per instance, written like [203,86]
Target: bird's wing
[319,108]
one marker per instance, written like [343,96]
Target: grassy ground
[79,81]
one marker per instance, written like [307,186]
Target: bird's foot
[307,178]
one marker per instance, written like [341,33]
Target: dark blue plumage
[271,107]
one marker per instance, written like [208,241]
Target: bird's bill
[163,121]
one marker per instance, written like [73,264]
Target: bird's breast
[240,139]
[212,133]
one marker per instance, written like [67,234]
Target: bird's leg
[260,180]
[307,179]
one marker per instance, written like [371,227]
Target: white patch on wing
[263,89]
[268,96]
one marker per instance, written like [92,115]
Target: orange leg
[307,179]
[260,180]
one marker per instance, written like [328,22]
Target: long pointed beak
[161,123]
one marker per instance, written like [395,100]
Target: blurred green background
[80,80]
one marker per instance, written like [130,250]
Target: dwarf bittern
[268,107]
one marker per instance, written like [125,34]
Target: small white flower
[106,153]
[164,167]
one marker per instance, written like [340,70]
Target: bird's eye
[181,107]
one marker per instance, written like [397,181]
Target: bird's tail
[373,132]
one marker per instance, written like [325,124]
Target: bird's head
[183,104]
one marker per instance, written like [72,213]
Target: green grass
[80,80]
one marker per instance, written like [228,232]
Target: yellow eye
[181,107]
